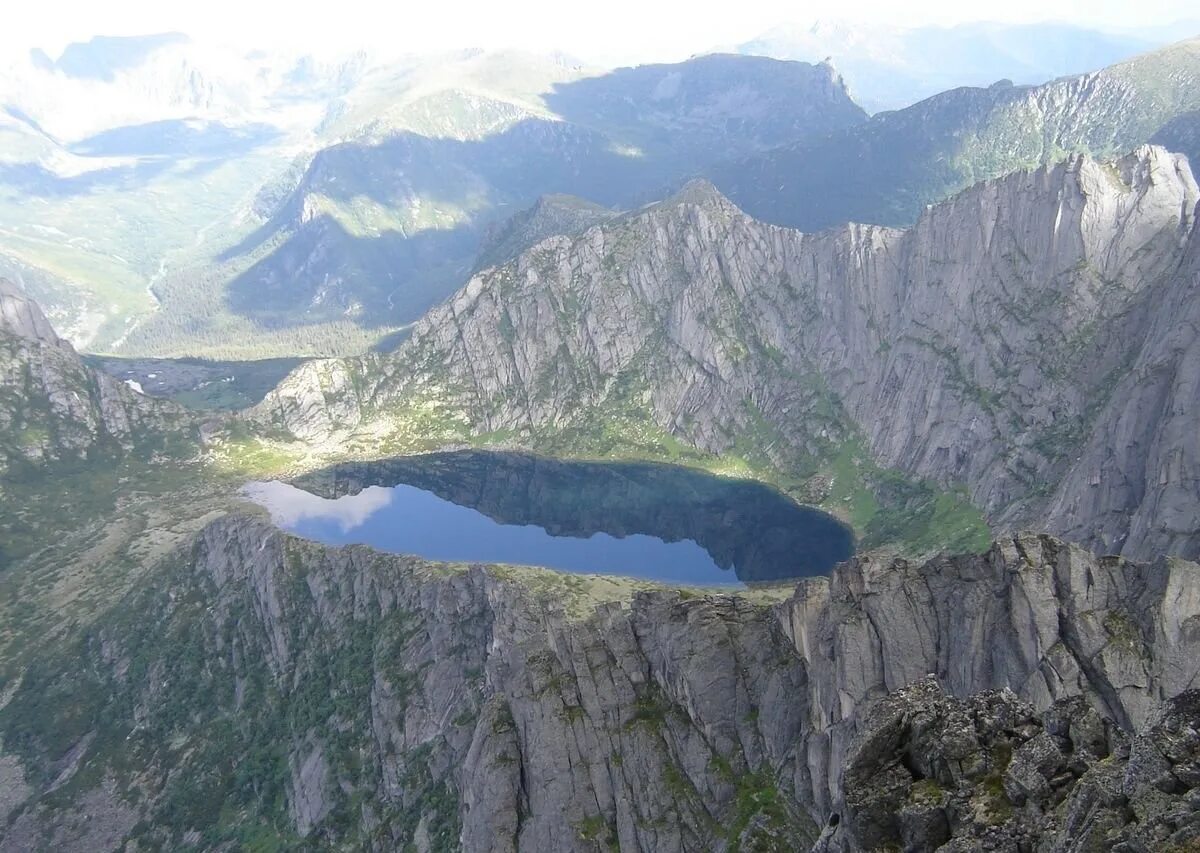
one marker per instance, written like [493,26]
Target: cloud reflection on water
[290,506]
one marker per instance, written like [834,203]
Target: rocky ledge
[988,773]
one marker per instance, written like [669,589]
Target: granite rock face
[54,407]
[932,772]
[1030,339]
[375,701]
[20,315]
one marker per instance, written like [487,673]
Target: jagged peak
[1143,167]
[1148,171]
[1144,161]
[21,316]
[700,192]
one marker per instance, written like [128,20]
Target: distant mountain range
[890,67]
[163,197]
[256,194]
[886,170]
[385,223]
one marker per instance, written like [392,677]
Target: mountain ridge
[694,319]
[734,715]
[887,170]
[56,409]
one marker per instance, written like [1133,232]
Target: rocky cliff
[53,407]
[931,772]
[21,316]
[258,689]
[1030,339]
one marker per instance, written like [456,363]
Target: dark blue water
[656,522]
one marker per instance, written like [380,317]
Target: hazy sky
[600,30]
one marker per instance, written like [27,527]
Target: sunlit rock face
[53,407]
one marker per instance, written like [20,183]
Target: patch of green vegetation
[1123,634]
[253,457]
[926,792]
[990,803]
[650,709]
[758,798]
[257,838]
[597,829]
[889,509]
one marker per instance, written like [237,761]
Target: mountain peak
[1151,171]
[698,191]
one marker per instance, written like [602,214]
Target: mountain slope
[259,690]
[54,408]
[991,346]
[550,216]
[890,68]
[382,225]
[887,170]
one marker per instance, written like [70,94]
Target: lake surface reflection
[658,522]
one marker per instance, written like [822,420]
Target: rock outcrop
[262,687]
[20,315]
[1031,339]
[53,407]
[932,772]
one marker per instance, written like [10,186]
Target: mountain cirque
[179,674]
[1032,339]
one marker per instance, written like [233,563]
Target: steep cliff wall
[263,687]
[53,407]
